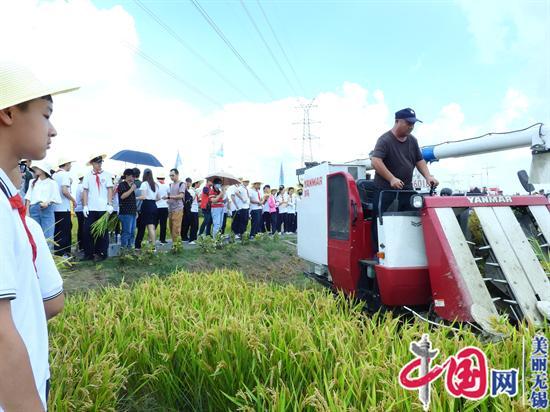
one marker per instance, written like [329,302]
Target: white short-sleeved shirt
[63,178]
[147,192]
[243,191]
[20,282]
[78,198]
[282,199]
[255,194]
[291,207]
[265,207]
[233,193]
[43,190]
[195,204]
[163,190]
[97,196]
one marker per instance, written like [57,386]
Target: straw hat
[257,181]
[18,84]
[44,166]
[94,155]
[198,181]
[64,160]
[244,179]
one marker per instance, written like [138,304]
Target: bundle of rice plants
[105,224]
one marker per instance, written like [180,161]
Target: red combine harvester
[428,254]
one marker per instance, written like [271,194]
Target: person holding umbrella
[217,206]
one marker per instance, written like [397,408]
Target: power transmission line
[170,31]
[281,47]
[170,73]
[231,47]
[267,47]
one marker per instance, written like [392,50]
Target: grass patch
[270,261]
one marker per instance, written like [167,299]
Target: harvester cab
[461,258]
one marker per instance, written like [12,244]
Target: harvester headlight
[417,201]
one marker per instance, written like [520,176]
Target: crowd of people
[143,203]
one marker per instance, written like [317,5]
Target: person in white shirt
[256,205]
[63,222]
[25,132]
[266,216]
[195,191]
[243,214]
[97,199]
[290,212]
[79,215]
[235,205]
[162,207]
[282,202]
[150,195]
[41,197]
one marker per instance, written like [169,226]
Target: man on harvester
[394,158]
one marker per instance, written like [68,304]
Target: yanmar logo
[490,199]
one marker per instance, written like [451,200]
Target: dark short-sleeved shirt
[126,206]
[399,157]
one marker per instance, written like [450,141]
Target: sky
[198,76]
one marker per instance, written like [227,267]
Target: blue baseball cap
[407,114]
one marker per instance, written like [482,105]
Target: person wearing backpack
[174,198]
[26,294]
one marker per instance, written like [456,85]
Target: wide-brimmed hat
[64,160]
[42,165]
[257,181]
[197,181]
[19,84]
[95,156]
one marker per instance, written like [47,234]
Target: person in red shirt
[205,207]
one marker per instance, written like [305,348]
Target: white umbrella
[227,178]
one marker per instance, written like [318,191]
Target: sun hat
[19,84]
[95,156]
[198,181]
[64,160]
[42,165]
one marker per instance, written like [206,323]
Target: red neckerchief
[96,174]
[17,203]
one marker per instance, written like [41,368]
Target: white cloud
[512,32]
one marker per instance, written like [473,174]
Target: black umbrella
[138,158]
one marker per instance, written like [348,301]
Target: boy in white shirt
[97,198]
[162,207]
[25,132]
[63,223]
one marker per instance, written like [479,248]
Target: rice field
[217,342]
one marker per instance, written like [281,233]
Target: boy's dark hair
[176,171]
[25,105]
[136,172]
[216,181]
[127,172]
[267,187]
[188,180]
